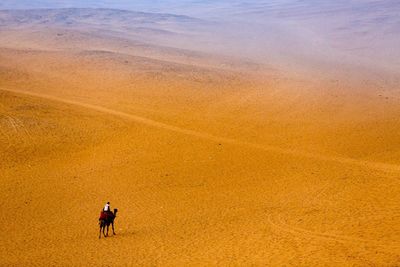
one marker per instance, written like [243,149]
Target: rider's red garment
[103,215]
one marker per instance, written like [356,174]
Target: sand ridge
[153,123]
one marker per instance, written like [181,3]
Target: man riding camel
[106,219]
[106,212]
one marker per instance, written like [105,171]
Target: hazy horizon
[289,32]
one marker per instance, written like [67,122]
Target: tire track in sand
[283,227]
[156,124]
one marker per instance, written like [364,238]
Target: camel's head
[115,211]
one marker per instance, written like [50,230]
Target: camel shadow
[122,234]
[125,233]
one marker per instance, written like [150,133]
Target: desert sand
[211,160]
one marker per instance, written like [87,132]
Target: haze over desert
[227,133]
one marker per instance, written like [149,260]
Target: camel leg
[112,225]
[107,228]
[104,229]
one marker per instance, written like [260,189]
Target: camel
[106,220]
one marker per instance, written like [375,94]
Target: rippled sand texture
[211,158]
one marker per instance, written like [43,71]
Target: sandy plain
[210,160]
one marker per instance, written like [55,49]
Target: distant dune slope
[350,118]
[79,16]
[360,32]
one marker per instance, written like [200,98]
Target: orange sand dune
[209,163]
